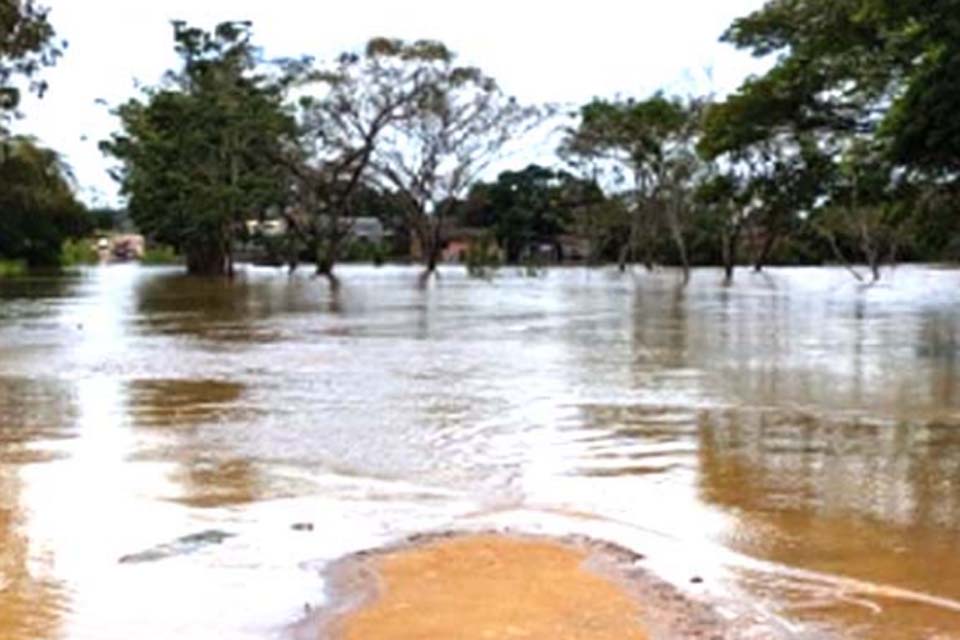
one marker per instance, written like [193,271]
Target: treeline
[846,151]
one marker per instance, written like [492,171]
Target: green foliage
[157,255]
[108,219]
[651,146]
[852,72]
[26,46]
[365,251]
[198,154]
[38,210]
[10,268]
[78,252]
[528,207]
[483,257]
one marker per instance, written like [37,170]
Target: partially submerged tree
[783,169]
[723,204]
[344,115]
[197,154]
[459,125]
[528,208]
[652,144]
[865,212]
[853,72]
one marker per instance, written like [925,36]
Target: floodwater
[180,458]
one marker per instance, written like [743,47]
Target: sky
[557,51]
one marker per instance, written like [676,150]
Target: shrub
[160,255]
[12,268]
[78,252]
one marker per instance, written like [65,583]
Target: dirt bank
[478,587]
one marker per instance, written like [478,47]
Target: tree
[653,144]
[197,155]
[864,209]
[26,46]
[848,70]
[38,209]
[783,164]
[352,105]
[460,123]
[535,205]
[722,202]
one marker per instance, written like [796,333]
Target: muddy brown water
[793,441]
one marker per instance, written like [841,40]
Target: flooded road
[179,458]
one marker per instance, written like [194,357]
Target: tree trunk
[433,260]
[624,255]
[842,259]
[684,260]
[228,249]
[433,244]
[764,254]
[209,259]
[678,239]
[324,265]
[729,249]
[873,261]
[870,252]
[648,259]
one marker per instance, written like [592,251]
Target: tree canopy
[198,153]
[38,210]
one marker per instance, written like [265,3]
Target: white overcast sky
[566,51]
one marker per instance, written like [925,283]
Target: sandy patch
[493,586]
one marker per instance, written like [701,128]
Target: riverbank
[481,586]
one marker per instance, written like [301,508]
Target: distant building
[573,248]
[121,247]
[458,242]
[364,229]
[367,229]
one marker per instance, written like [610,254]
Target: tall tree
[344,115]
[849,71]
[783,163]
[532,206]
[197,154]
[723,201]
[38,209]
[460,124]
[653,144]
[865,209]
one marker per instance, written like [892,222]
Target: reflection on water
[182,403]
[795,438]
[878,502]
[31,598]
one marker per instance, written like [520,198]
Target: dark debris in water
[179,547]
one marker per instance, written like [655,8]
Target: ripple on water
[779,438]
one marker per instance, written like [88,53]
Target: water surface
[794,440]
